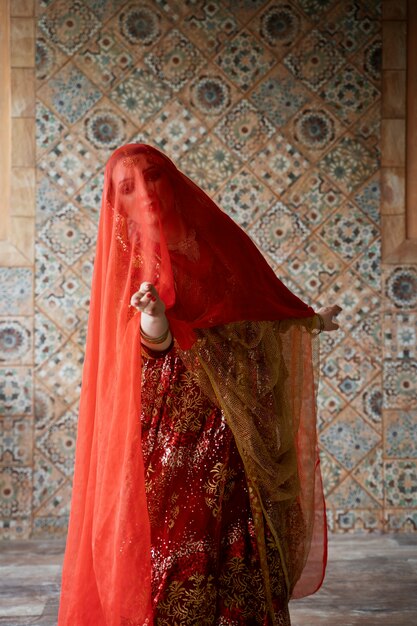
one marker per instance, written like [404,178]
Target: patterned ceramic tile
[349,438]
[278,232]
[88,197]
[209,164]
[279,164]
[46,479]
[15,390]
[16,440]
[59,505]
[401,287]
[279,95]
[175,130]
[16,340]
[369,199]
[49,199]
[400,335]
[103,9]
[66,302]
[174,61]
[349,94]
[61,373]
[48,338]
[348,231]
[58,442]
[351,24]
[244,9]
[369,60]
[368,265]
[16,289]
[369,473]
[47,268]
[48,59]
[315,9]
[85,265]
[400,429]
[400,383]
[352,495]
[345,521]
[314,265]
[244,198]
[79,337]
[329,404]
[69,164]
[368,335]
[400,483]
[313,198]
[48,128]
[210,95]
[69,234]
[349,164]
[175,11]
[245,60]
[11,529]
[70,93]
[69,25]
[244,129]
[279,25]
[209,26]
[332,472]
[368,130]
[47,407]
[15,491]
[314,60]
[313,130]
[369,403]
[50,527]
[400,520]
[141,95]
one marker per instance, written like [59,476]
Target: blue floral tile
[69,234]
[58,506]
[368,334]
[279,96]
[401,287]
[46,479]
[244,9]
[46,406]
[279,25]
[70,93]
[329,404]
[315,9]
[400,383]
[48,59]
[141,95]
[16,438]
[314,60]
[66,302]
[49,199]
[400,520]
[314,130]
[332,472]
[15,492]
[210,95]
[349,164]
[400,429]
[279,164]
[57,443]
[313,198]
[369,402]
[368,520]
[11,529]
[278,232]
[16,340]
[50,527]
[244,198]
[350,495]
[84,267]
[69,24]
[369,59]
[209,26]
[48,127]
[400,335]
[245,60]
[16,291]
[368,265]
[369,473]
[351,24]
[369,199]
[209,164]
[61,373]
[103,9]
[400,482]
[15,390]
[89,196]
[141,26]
[174,61]
[48,338]
[47,268]
[368,130]
[349,438]
[244,129]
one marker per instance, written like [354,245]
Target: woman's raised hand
[147,300]
[327,313]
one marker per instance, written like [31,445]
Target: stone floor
[371,580]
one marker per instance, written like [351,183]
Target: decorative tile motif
[104,9]
[369,265]
[174,61]
[401,483]
[401,287]
[357,520]
[351,495]
[401,520]
[349,94]
[15,491]
[243,9]
[349,164]
[89,196]
[15,441]
[50,526]
[332,472]
[141,95]
[47,268]
[58,442]
[313,198]
[368,335]
[278,26]
[69,234]
[354,296]
[47,59]
[140,25]
[278,232]
[59,505]
[313,130]
[245,60]
[280,164]
[369,474]
[15,390]
[244,198]
[369,402]
[49,199]
[210,95]
[66,302]
[70,93]
[244,129]
[349,438]
[85,265]
[16,340]
[369,60]
[368,130]
[330,404]
[351,24]
[69,164]
[279,96]
[46,479]
[11,529]
[61,374]
[400,383]
[315,9]
[400,335]
[47,407]
[48,338]
[48,127]
[400,428]
[175,130]
[69,25]
[314,60]
[105,129]
[369,199]
[349,369]
[348,232]
[209,164]
[209,26]
[16,289]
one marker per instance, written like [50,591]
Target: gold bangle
[155,340]
[317,331]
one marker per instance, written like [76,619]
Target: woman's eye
[126,187]
[153,175]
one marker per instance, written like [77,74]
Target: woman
[197,494]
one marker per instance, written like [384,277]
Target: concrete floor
[371,580]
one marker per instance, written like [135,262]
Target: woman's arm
[155,332]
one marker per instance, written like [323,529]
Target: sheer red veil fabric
[159,226]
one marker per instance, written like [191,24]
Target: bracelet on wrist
[155,340]
[321,323]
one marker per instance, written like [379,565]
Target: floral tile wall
[273,108]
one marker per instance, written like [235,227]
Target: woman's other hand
[147,301]
[328,313]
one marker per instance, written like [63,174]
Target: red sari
[204,480]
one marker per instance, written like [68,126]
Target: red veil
[240,331]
